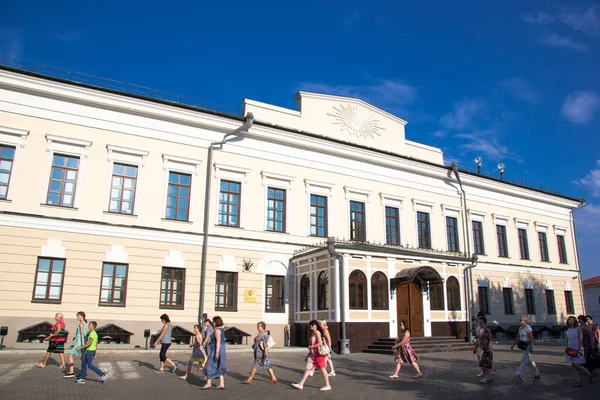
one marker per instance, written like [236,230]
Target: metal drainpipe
[343,342]
[468,275]
[244,128]
[572,221]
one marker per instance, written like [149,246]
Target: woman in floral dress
[404,353]
[484,344]
[261,354]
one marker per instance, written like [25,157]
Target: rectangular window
[392,226]
[114,284]
[523,244]
[509,307]
[178,196]
[357,221]
[7,157]
[436,293]
[226,291]
[452,233]
[63,180]
[530,301]
[478,246]
[484,301]
[424,230]
[49,278]
[172,287]
[318,215]
[562,249]
[229,203]
[274,294]
[276,209]
[569,302]
[502,244]
[543,246]
[550,303]
[122,189]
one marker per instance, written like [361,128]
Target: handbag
[324,350]
[571,352]
[487,359]
[522,345]
[51,346]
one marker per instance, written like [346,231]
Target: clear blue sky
[513,81]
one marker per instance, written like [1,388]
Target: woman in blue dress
[261,354]
[216,365]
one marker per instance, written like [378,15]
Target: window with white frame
[231,180]
[423,210]
[542,230]
[392,205]
[276,189]
[561,233]
[11,140]
[124,178]
[452,215]
[65,169]
[319,194]
[477,223]
[522,226]
[357,212]
[179,184]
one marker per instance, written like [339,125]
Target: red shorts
[319,362]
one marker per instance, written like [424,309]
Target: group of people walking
[209,350]
[86,341]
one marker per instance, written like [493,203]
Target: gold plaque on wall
[250,296]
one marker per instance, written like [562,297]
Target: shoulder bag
[324,350]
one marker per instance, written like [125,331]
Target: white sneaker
[298,386]
[418,376]
[332,373]
[324,388]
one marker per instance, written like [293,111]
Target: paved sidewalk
[359,376]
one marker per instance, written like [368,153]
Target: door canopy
[423,274]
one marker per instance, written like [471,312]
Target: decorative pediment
[233,331]
[42,327]
[179,331]
[112,329]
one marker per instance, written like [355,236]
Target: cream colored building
[102,197]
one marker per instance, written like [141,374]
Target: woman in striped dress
[56,342]
[404,352]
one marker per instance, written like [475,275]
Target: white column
[344,273]
[426,313]
[313,286]
[392,300]
[336,284]
[329,286]
[369,302]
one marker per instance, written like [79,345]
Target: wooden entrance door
[409,302]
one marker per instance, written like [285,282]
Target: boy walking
[88,353]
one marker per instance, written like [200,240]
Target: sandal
[273,381]
[247,381]
[40,365]
[393,376]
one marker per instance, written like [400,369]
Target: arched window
[453,290]
[323,289]
[379,291]
[436,296]
[305,293]
[358,290]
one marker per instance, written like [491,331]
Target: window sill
[546,261]
[525,259]
[503,257]
[280,232]
[170,307]
[437,309]
[228,226]
[278,311]
[359,309]
[110,305]
[481,254]
[5,201]
[380,309]
[46,301]
[226,309]
[59,206]
[563,263]
[119,214]
[176,220]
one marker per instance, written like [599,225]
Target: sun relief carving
[356,121]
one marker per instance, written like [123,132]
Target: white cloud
[484,145]
[440,134]
[587,21]
[580,107]
[11,42]
[537,19]
[521,89]
[554,40]
[464,114]
[384,91]
[591,180]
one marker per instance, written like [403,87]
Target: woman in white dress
[574,352]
